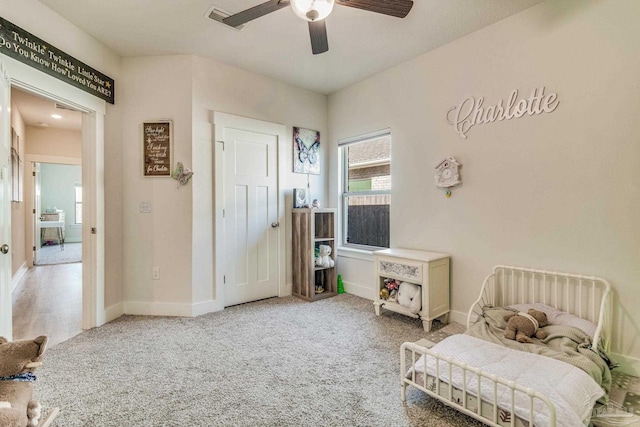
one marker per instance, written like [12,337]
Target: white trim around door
[94,110]
[222,121]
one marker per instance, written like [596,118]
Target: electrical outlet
[145,207]
[156,273]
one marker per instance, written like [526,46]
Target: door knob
[275,224]
[4,249]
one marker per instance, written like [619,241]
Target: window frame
[343,145]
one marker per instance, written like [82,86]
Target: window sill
[356,253]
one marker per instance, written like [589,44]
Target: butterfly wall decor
[181,174]
[306,151]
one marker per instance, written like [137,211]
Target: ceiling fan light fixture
[312,10]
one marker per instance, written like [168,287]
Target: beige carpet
[278,362]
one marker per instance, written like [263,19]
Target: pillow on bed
[559,317]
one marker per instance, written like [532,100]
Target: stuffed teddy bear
[324,260]
[410,296]
[18,360]
[522,326]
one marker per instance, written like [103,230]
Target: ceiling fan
[314,11]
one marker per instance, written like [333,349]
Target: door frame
[6,188]
[29,198]
[222,121]
[94,110]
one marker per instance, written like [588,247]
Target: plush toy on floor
[18,360]
[522,326]
[410,296]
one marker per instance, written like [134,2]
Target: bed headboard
[583,296]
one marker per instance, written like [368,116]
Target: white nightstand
[430,270]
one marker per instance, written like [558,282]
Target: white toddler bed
[552,384]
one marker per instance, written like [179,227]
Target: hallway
[48,301]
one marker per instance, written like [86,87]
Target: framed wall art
[157,148]
[306,151]
[300,198]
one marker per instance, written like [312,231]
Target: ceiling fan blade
[318,33]
[255,12]
[397,8]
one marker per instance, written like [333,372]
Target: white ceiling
[38,111]
[361,43]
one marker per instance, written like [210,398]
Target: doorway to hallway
[93,111]
[47,300]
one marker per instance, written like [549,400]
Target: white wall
[156,88]
[39,20]
[219,87]
[165,87]
[177,235]
[54,142]
[553,191]
[556,191]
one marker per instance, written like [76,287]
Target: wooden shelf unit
[311,228]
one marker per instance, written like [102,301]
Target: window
[366,190]
[78,210]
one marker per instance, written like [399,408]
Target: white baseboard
[157,309]
[458,317]
[359,290]
[204,307]
[286,290]
[171,309]
[15,280]
[113,312]
[628,365]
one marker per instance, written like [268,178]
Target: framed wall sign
[157,147]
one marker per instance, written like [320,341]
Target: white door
[250,215]
[5,206]
[37,241]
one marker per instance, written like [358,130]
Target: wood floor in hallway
[48,301]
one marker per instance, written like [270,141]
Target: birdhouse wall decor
[448,174]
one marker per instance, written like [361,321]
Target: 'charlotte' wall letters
[471,112]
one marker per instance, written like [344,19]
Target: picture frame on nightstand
[300,198]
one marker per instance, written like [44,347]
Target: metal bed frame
[583,296]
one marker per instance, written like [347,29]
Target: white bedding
[571,389]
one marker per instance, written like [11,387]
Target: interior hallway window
[366,192]
[78,210]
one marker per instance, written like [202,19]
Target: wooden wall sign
[157,140]
[23,46]
[472,112]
